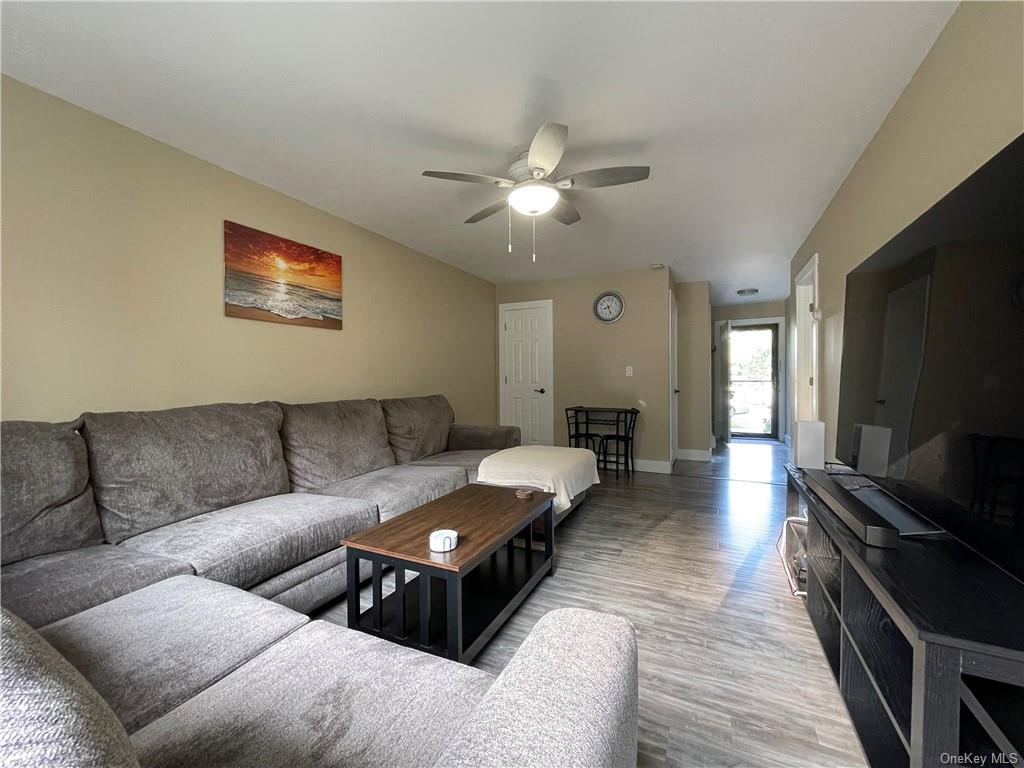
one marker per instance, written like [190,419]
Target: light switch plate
[629,370]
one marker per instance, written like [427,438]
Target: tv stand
[925,640]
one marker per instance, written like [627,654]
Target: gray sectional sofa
[252,495]
[157,569]
[189,673]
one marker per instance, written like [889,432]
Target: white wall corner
[647,465]
[693,454]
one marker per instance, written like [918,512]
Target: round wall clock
[608,307]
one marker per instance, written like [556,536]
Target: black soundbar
[869,526]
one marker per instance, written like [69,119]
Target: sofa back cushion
[153,468]
[325,443]
[49,714]
[418,426]
[45,493]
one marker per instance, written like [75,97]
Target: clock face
[608,307]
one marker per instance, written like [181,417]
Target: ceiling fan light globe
[533,199]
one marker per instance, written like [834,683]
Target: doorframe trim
[807,276]
[549,306]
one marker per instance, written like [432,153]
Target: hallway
[753,461]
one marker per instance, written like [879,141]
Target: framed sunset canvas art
[271,278]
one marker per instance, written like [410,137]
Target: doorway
[526,369]
[754,381]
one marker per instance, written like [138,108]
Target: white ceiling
[750,115]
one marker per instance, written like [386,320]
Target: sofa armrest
[472,437]
[568,697]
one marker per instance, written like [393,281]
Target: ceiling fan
[534,189]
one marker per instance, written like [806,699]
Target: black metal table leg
[549,537]
[528,542]
[453,590]
[400,628]
[378,597]
[352,596]
[424,580]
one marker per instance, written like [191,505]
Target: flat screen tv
[933,352]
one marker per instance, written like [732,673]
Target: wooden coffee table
[459,599]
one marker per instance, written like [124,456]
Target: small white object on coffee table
[565,472]
[444,540]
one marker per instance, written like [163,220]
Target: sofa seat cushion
[395,490]
[45,494]
[417,426]
[468,460]
[151,650]
[49,714]
[352,700]
[154,468]
[325,443]
[252,542]
[47,588]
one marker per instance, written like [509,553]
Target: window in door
[753,381]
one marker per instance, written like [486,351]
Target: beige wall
[694,332]
[591,357]
[113,285]
[963,105]
[755,311]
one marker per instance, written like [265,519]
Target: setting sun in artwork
[280,263]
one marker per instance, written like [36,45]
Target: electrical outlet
[629,370]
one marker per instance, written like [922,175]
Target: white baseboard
[647,465]
[693,454]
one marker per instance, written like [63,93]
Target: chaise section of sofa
[206,674]
[152,650]
[49,714]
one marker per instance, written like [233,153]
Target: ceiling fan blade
[606,177]
[474,178]
[565,212]
[547,148]
[490,210]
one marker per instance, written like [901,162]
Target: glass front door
[753,382]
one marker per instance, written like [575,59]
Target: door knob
[540,391]
[675,391]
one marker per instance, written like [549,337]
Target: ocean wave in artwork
[287,300]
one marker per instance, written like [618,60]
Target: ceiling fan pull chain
[509,229]
[533,219]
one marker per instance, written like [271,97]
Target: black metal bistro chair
[623,441]
[579,434]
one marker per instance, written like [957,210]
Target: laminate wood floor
[731,673]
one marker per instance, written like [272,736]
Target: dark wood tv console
[925,640]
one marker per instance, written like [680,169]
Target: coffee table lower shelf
[490,594]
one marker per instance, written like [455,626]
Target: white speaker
[809,445]
[870,454]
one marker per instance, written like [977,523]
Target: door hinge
[506,326]
[811,381]
[810,307]
[506,379]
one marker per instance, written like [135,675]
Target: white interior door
[527,369]
[906,317]
[673,375]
